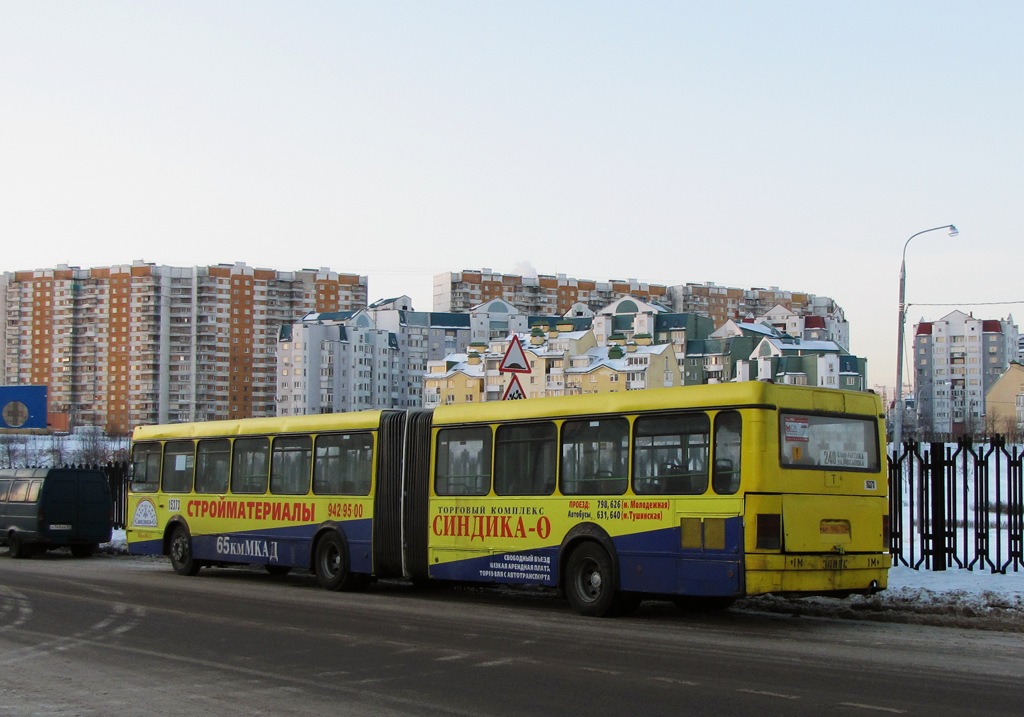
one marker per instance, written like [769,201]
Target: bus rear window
[828,442]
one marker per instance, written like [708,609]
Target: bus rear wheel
[590,581]
[182,560]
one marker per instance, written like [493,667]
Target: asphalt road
[126,636]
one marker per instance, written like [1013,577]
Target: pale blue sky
[791,144]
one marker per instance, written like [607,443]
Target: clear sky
[790,144]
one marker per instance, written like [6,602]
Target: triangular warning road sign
[515,358]
[514,391]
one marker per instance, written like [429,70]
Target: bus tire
[17,548]
[83,551]
[590,581]
[182,559]
[331,563]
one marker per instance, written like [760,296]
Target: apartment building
[125,345]
[563,361]
[783,309]
[542,295]
[957,359]
[1004,403]
[377,357]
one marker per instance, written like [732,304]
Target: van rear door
[77,507]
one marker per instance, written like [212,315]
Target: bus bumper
[816,574]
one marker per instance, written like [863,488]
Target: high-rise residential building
[956,360]
[783,309]
[126,345]
[377,357]
[543,295]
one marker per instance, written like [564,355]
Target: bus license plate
[835,563]
[60,526]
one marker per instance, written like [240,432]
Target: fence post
[937,487]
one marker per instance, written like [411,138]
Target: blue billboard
[22,406]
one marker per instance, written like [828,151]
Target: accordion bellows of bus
[699,494]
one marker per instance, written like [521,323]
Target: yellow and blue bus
[699,494]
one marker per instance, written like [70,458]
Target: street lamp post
[897,434]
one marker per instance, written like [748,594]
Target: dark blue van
[43,508]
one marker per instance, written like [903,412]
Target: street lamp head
[953,231]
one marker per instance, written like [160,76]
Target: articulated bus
[698,494]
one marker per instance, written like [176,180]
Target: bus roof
[731,395]
[362,420]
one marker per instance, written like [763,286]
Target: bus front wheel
[182,560]
[590,581]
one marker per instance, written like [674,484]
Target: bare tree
[12,450]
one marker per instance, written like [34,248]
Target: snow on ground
[959,598]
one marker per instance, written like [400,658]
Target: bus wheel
[17,548]
[83,551]
[331,564]
[589,581]
[181,552]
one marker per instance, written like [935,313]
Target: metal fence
[957,505]
[117,475]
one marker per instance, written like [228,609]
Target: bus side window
[463,461]
[343,464]
[33,491]
[178,464]
[5,485]
[670,454]
[525,458]
[145,467]
[595,456]
[249,465]
[725,475]
[290,463]
[213,463]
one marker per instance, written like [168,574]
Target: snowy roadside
[960,598]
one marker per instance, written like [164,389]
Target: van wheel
[17,548]
[181,552]
[589,581]
[83,551]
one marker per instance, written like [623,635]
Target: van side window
[178,464]
[19,491]
[5,486]
[146,467]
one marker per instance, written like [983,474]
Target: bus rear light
[769,531]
